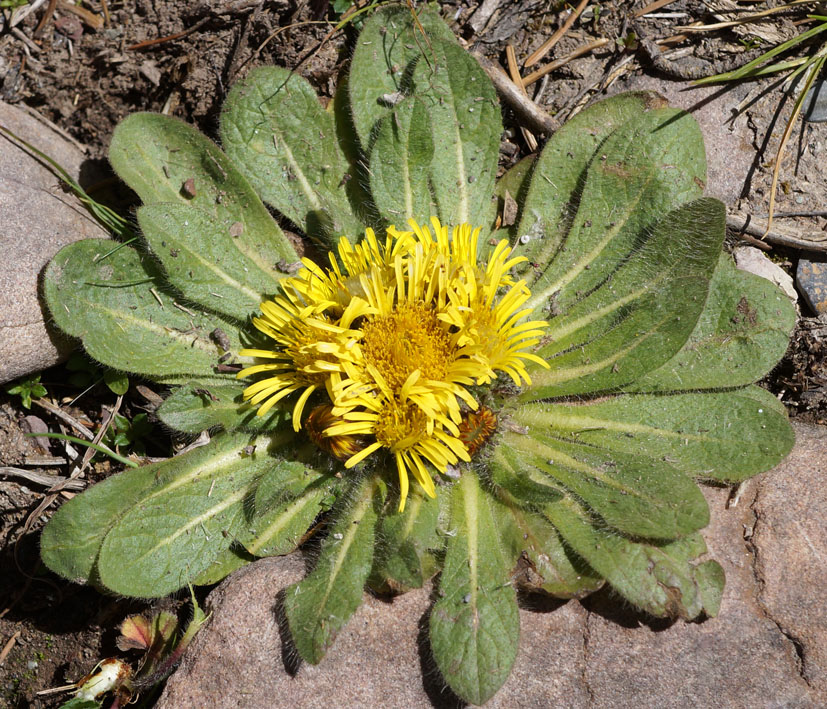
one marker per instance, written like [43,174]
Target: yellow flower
[389,339]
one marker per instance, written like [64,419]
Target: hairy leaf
[650,165]
[287,500]
[404,558]
[560,171]
[475,624]
[173,532]
[726,435]
[166,160]
[641,314]
[318,607]
[465,122]
[194,408]
[639,496]
[544,563]
[205,261]
[400,163]
[223,565]
[71,540]
[741,334]
[389,47]
[284,142]
[664,580]
[116,302]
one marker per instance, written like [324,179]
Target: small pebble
[811,278]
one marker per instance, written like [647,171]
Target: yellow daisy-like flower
[389,339]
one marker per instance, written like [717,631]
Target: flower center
[399,425]
[408,339]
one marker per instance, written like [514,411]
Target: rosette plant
[494,407]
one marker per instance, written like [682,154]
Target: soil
[180,58]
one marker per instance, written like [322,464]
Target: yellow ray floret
[387,341]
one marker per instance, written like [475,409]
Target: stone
[767,647]
[811,277]
[755,261]
[38,217]
[815,103]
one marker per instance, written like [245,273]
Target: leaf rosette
[527,407]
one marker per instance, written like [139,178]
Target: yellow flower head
[389,339]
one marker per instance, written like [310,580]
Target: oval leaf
[116,302]
[166,160]
[641,314]
[727,436]
[318,607]
[174,532]
[741,334]
[277,132]
[475,625]
[193,409]
[664,580]
[205,261]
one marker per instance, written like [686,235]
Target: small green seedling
[26,388]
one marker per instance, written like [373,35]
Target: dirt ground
[180,58]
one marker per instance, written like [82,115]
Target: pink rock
[38,218]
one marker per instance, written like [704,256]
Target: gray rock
[811,277]
[767,648]
[38,217]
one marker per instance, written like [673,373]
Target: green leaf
[727,436]
[641,314]
[287,500]
[560,171]
[404,557]
[741,334]
[465,121]
[508,471]
[118,306]
[545,563]
[636,495]
[205,261]
[400,163]
[475,624]
[660,579]
[71,540]
[318,607]
[78,703]
[193,409]
[647,167]
[223,565]
[118,382]
[276,131]
[387,49]
[166,160]
[174,531]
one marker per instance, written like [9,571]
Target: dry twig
[754,227]
[548,45]
[43,478]
[583,49]
[534,117]
[514,71]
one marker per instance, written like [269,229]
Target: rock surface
[38,218]
[812,280]
[767,648]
